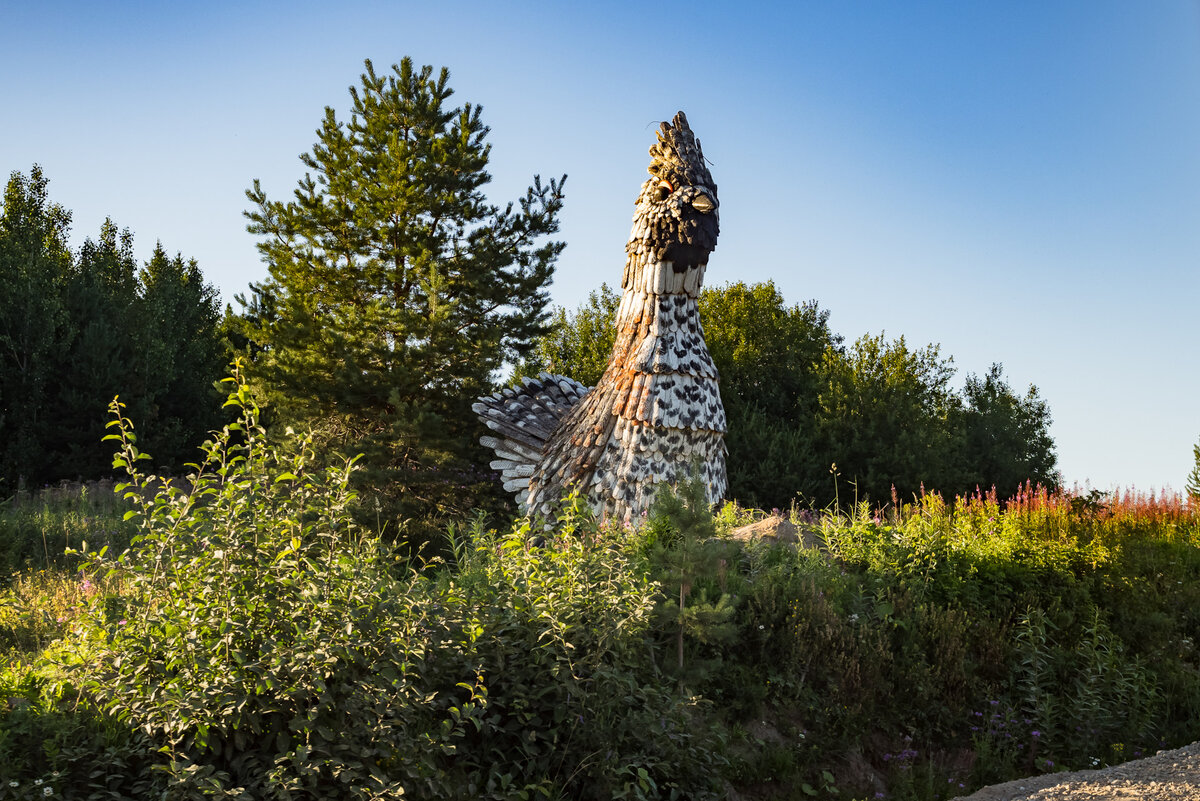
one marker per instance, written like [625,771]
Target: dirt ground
[1166,776]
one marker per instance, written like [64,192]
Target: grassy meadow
[245,639]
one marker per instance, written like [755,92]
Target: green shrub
[52,742]
[958,644]
[692,565]
[266,648]
[254,641]
[575,704]
[260,644]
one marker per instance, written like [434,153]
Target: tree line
[812,420]
[397,293]
[78,327]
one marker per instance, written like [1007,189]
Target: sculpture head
[676,219]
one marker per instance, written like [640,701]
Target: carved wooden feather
[657,410]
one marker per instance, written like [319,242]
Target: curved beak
[703,203]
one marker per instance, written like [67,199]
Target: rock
[778,529]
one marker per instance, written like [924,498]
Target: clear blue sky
[1017,181]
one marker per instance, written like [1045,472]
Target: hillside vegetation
[255,642]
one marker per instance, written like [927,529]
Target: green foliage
[34,322]
[942,645]
[100,299]
[256,642]
[769,355]
[691,563]
[180,356]
[74,331]
[798,400]
[578,344]
[397,291]
[266,648]
[576,707]
[1086,698]
[1007,437]
[1193,479]
[1037,637]
[887,417]
[52,744]
[36,529]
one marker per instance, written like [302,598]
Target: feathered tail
[523,417]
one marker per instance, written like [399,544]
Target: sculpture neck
[657,278]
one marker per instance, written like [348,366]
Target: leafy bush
[692,565]
[266,648]
[258,643]
[255,641]
[575,705]
[54,743]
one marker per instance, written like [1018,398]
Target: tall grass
[922,650]
[37,528]
[979,638]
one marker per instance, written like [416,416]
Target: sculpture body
[657,410]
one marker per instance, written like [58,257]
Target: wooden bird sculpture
[656,412]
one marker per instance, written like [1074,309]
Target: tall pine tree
[396,290]
[182,356]
[1193,479]
[34,266]
[101,297]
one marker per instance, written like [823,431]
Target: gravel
[1166,776]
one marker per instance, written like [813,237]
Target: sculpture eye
[663,191]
